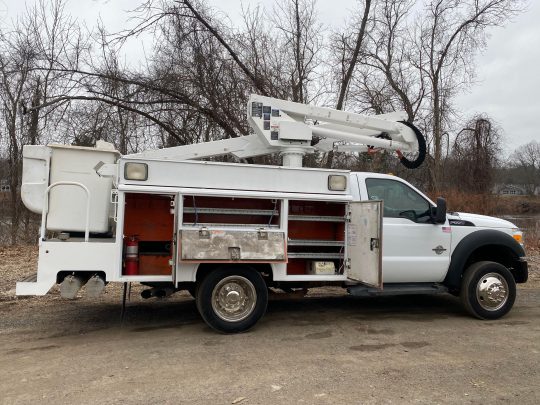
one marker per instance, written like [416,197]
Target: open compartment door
[364,242]
[176,208]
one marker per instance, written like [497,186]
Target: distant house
[4,191]
[4,186]
[516,189]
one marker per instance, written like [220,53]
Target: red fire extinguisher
[131,256]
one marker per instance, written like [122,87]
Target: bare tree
[420,62]
[300,39]
[474,156]
[194,84]
[347,47]
[348,62]
[526,160]
[392,55]
[43,34]
[451,33]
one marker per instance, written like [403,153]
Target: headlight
[136,171]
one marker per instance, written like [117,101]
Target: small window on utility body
[400,201]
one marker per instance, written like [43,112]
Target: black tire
[192,290]
[245,285]
[488,290]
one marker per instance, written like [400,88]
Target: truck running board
[397,289]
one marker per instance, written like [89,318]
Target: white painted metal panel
[72,255]
[67,203]
[212,175]
[410,251]
[231,193]
[364,243]
[35,176]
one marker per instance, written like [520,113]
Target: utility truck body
[227,232]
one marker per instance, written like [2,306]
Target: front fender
[503,244]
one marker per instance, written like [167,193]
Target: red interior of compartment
[321,208]
[231,203]
[296,266]
[315,230]
[149,218]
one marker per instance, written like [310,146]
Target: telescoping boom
[294,130]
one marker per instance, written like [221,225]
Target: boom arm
[286,124]
[289,128]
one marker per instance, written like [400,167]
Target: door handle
[374,243]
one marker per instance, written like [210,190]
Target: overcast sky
[508,74]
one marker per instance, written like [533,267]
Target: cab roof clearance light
[136,171]
[337,182]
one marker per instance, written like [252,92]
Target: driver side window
[400,201]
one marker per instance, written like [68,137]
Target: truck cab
[478,257]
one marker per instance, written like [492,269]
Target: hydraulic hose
[413,164]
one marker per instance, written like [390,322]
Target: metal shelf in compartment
[230,211]
[310,255]
[316,218]
[315,242]
[220,225]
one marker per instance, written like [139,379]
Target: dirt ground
[327,348]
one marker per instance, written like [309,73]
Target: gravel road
[327,348]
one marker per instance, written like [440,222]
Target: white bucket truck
[226,232]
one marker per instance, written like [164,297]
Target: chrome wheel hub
[234,298]
[492,291]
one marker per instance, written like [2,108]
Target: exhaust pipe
[70,286]
[164,292]
[157,292]
[95,286]
[147,293]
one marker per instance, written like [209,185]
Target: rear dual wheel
[232,299]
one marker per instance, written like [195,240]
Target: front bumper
[520,270]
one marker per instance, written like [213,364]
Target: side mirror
[439,213]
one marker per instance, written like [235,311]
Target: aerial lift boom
[294,130]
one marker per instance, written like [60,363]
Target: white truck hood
[482,220]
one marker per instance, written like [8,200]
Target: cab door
[364,242]
[414,248]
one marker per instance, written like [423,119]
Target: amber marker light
[517,235]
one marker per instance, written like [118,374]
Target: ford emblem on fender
[439,250]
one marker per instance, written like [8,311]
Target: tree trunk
[348,75]
[13,183]
[436,174]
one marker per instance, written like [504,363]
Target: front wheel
[232,299]
[488,290]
